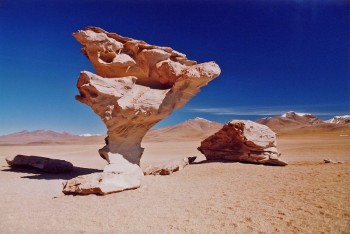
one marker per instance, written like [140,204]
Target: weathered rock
[101,183]
[117,176]
[169,167]
[41,163]
[328,161]
[331,161]
[243,141]
[136,86]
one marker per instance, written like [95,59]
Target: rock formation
[243,141]
[100,183]
[135,87]
[331,161]
[41,163]
[117,176]
[169,167]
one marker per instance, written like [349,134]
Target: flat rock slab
[40,163]
[169,167]
[117,176]
[331,161]
[101,183]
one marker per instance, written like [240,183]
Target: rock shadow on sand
[40,175]
[230,162]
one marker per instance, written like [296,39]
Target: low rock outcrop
[117,176]
[169,167]
[40,163]
[332,161]
[100,183]
[243,141]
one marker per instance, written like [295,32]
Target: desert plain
[307,196]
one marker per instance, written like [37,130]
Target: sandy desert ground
[307,196]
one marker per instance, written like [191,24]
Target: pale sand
[306,196]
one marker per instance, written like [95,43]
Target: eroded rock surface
[332,161]
[100,183]
[243,141]
[117,176]
[169,167]
[135,87]
[41,163]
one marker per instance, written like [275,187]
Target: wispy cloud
[262,111]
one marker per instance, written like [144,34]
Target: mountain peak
[293,113]
[202,119]
[290,119]
[342,119]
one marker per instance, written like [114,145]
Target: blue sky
[275,56]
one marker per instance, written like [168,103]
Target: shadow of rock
[40,175]
[213,161]
[229,161]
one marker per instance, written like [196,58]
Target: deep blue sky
[275,56]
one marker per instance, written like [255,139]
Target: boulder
[243,141]
[41,163]
[169,167]
[117,176]
[101,183]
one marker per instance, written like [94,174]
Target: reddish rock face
[243,141]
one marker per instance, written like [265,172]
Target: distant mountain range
[345,119]
[193,129]
[289,120]
[290,123]
[41,137]
[302,123]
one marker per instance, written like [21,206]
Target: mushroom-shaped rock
[243,141]
[136,86]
